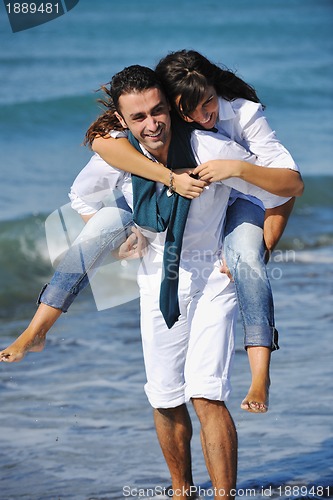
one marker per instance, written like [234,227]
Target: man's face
[147,116]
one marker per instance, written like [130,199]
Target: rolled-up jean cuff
[261,336]
[56,297]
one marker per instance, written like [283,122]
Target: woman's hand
[280,181]
[217,170]
[186,185]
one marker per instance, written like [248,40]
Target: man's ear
[120,119]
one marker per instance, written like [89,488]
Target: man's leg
[174,432]
[219,445]
[207,374]
[164,353]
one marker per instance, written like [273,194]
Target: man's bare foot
[23,344]
[256,401]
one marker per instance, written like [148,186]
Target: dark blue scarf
[160,212]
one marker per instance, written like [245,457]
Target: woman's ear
[120,119]
[187,119]
[180,111]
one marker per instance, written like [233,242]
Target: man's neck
[162,158]
[161,155]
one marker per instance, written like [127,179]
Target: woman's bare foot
[23,344]
[33,338]
[256,400]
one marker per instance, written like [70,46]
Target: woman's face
[207,111]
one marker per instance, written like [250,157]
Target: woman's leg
[244,252]
[104,232]
[33,338]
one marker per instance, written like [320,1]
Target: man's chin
[154,145]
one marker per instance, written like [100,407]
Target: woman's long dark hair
[105,122]
[186,74]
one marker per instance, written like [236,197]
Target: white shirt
[92,186]
[202,240]
[209,146]
[244,122]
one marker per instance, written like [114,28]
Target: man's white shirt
[202,240]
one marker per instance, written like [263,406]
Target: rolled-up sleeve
[92,185]
[214,146]
[254,130]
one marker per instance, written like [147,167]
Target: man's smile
[155,135]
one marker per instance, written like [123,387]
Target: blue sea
[75,423]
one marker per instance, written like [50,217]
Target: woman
[204,93]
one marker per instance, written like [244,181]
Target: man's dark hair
[134,78]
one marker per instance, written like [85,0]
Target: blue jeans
[244,252]
[104,232]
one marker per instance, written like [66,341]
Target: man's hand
[224,269]
[133,248]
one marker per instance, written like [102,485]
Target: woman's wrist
[241,169]
[163,174]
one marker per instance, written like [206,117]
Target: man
[191,353]
[192,359]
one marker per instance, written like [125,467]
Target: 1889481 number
[32,8]
[304,491]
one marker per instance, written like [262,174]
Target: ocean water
[75,423]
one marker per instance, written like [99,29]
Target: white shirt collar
[226,111]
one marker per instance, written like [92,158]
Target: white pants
[192,359]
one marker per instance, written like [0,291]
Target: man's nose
[152,123]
